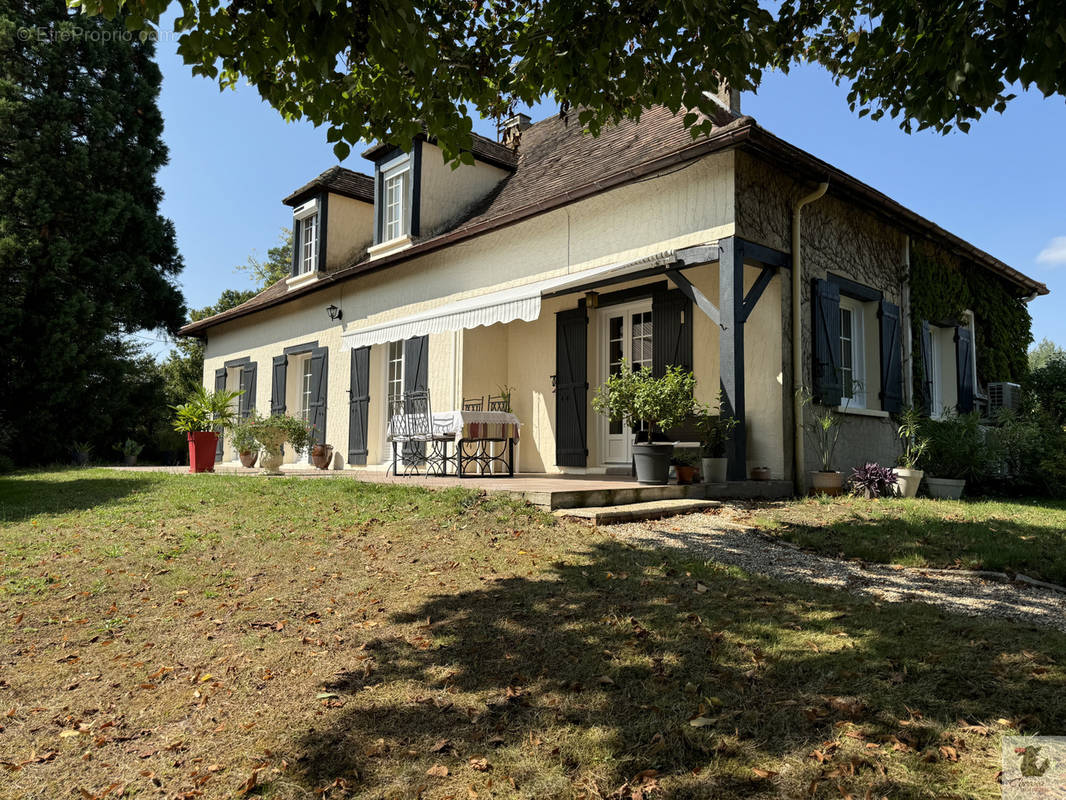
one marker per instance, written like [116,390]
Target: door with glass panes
[625,334]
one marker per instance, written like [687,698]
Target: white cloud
[1054,253]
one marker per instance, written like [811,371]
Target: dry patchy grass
[1021,536]
[202,636]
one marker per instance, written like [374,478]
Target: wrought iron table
[475,433]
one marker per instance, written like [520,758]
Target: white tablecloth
[472,424]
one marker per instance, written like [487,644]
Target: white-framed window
[308,236]
[852,353]
[396,197]
[394,373]
[305,389]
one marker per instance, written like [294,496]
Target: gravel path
[718,537]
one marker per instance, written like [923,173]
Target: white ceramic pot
[908,481]
[714,469]
[828,483]
[945,488]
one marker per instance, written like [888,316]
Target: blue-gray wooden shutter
[891,358]
[671,326]
[825,302]
[220,386]
[415,379]
[571,387]
[297,232]
[359,406]
[277,384]
[246,404]
[964,369]
[316,408]
[927,368]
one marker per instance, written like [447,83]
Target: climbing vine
[943,287]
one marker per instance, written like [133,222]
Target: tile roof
[338,180]
[557,164]
[482,147]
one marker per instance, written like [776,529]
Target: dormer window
[307,237]
[396,192]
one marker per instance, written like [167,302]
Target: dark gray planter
[653,463]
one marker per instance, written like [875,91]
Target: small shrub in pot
[872,481]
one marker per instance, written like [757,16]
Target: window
[394,377]
[305,390]
[852,353]
[396,197]
[308,244]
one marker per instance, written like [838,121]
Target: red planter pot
[202,446]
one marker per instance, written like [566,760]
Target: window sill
[863,412]
[389,247]
[296,281]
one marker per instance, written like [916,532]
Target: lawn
[1026,537]
[204,636]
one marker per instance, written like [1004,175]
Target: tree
[278,264]
[1044,353]
[388,71]
[85,255]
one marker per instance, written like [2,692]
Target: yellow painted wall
[764,388]
[448,194]
[349,230]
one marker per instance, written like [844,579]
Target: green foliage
[1043,352]
[914,445]
[242,433]
[715,427]
[633,396]
[279,429]
[85,254]
[1046,389]
[129,448]
[941,291]
[958,448]
[205,411]
[822,425]
[276,267]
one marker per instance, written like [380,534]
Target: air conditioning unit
[1004,395]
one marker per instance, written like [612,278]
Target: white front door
[624,333]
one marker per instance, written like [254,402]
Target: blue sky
[1002,186]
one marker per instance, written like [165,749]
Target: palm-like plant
[205,411]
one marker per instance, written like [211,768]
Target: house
[555,255]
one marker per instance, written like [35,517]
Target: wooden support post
[731,349]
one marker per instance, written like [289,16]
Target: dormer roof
[338,180]
[483,148]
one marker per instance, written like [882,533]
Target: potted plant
[908,476]
[685,464]
[823,430]
[243,437]
[130,450]
[636,396]
[321,454]
[82,451]
[956,452]
[197,418]
[273,432]
[872,481]
[715,428]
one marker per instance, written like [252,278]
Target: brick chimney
[511,129]
[728,98]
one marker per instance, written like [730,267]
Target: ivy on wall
[942,288]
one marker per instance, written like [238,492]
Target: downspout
[908,331]
[799,472]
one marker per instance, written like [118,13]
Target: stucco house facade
[555,254]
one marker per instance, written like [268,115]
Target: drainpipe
[908,333]
[800,473]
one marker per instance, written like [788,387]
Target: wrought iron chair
[398,433]
[474,403]
[426,443]
[499,402]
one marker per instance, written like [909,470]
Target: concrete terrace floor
[547,491]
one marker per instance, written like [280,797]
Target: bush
[958,448]
[1046,389]
[1032,452]
[872,481]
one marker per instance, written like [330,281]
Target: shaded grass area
[1026,537]
[205,636]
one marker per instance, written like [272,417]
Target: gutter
[799,456]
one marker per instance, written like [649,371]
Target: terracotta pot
[760,474]
[827,483]
[715,469]
[908,481]
[322,455]
[202,446]
[248,458]
[685,474]
[945,488]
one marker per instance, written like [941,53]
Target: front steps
[636,512]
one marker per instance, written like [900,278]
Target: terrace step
[636,512]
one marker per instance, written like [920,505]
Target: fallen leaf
[438,771]
[701,722]
[480,764]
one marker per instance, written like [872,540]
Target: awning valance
[507,305]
